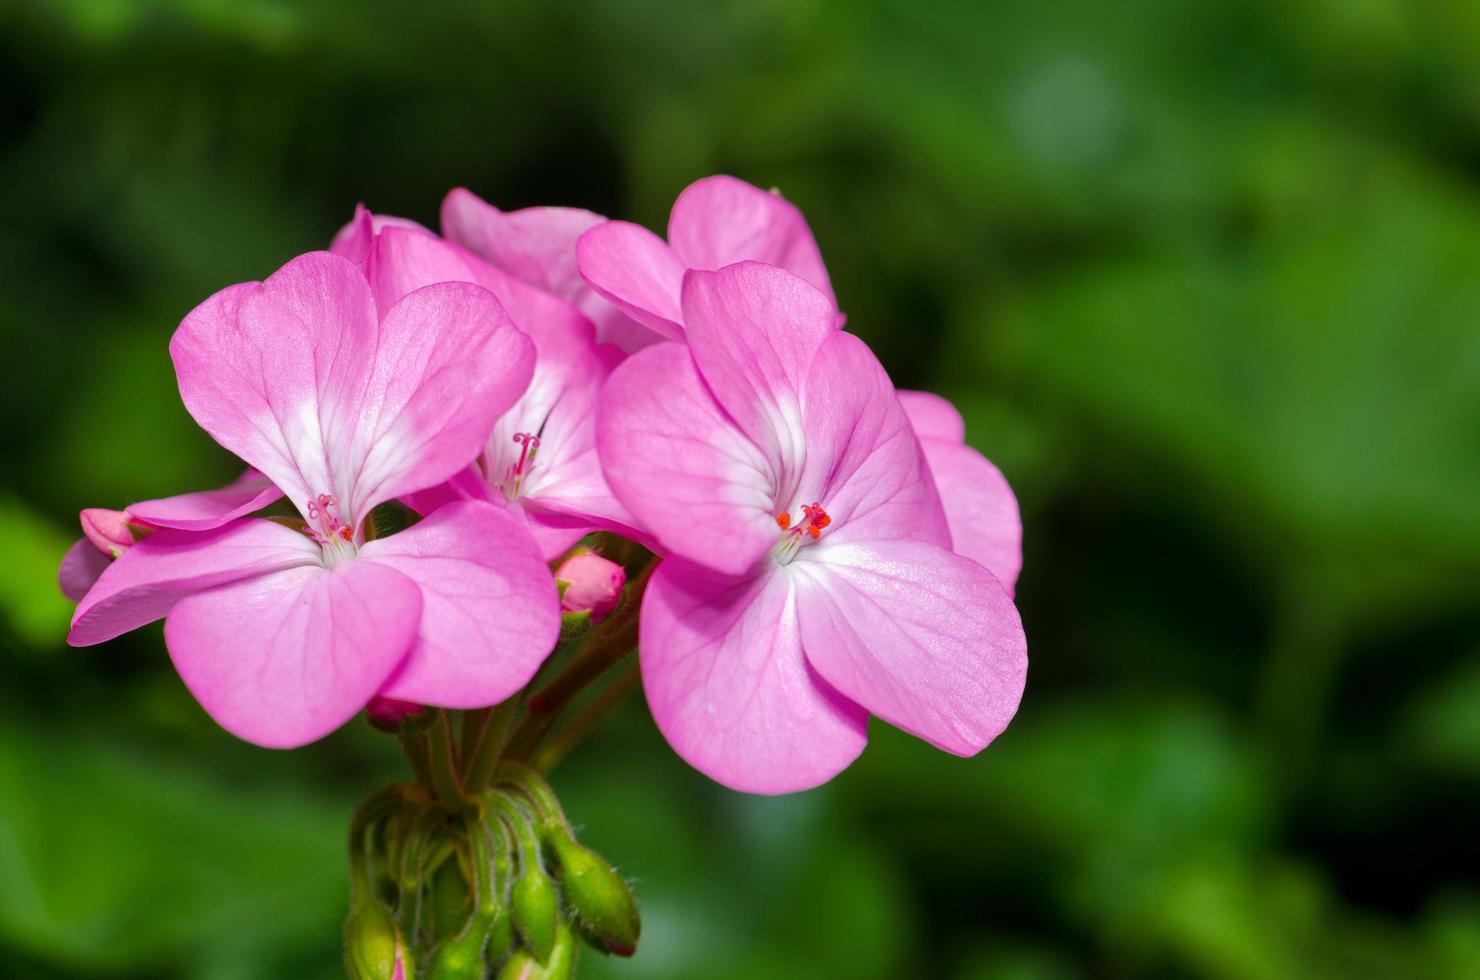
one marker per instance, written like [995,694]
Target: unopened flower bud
[373,949]
[561,965]
[108,530]
[602,903]
[593,584]
[522,966]
[535,907]
[461,957]
[389,714]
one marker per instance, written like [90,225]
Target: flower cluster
[826,548]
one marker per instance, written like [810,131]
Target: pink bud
[389,713]
[594,584]
[108,530]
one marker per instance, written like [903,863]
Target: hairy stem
[571,734]
[613,640]
[479,768]
[415,744]
[443,764]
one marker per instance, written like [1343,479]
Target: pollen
[814,519]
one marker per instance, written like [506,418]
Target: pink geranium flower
[980,507]
[810,580]
[282,634]
[540,458]
[108,534]
[538,247]
[715,222]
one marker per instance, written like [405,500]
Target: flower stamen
[814,520]
[513,482]
[332,534]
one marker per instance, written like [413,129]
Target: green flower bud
[500,937]
[600,900]
[501,932]
[460,958]
[561,965]
[522,966]
[535,906]
[534,903]
[450,901]
[372,945]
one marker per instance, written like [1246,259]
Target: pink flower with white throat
[540,458]
[715,222]
[284,633]
[810,580]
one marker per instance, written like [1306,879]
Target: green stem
[615,639]
[571,734]
[474,728]
[529,783]
[416,744]
[491,745]
[443,763]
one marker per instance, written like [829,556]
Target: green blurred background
[1203,276]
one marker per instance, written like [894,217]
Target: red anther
[814,519]
[345,533]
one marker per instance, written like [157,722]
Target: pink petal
[281,660]
[729,688]
[449,364]
[680,465]
[558,402]
[754,330]
[553,534]
[548,320]
[353,240]
[298,377]
[402,260]
[207,509]
[538,246]
[276,371]
[81,566]
[466,484]
[864,464]
[932,416]
[980,508]
[720,220]
[169,565]
[490,610]
[633,268]
[560,406]
[923,638]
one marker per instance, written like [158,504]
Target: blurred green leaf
[110,860]
[32,601]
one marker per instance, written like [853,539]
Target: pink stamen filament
[513,483]
[330,531]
